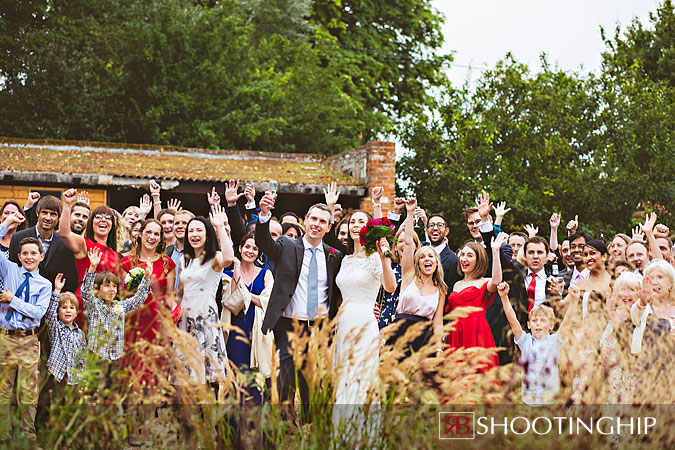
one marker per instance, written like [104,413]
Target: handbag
[235,302]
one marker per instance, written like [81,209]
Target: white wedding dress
[357,341]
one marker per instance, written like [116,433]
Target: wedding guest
[166,218]
[176,252]
[291,230]
[637,253]
[617,247]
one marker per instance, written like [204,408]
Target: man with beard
[79,215]
[577,243]
[437,231]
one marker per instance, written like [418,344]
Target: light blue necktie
[312,286]
[25,285]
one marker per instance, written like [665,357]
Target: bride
[357,336]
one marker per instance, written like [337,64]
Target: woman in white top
[422,289]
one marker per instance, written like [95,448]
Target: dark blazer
[58,259]
[288,255]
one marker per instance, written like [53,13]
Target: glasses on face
[109,217]
[440,226]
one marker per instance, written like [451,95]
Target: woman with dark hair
[247,347]
[475,290]
[291,230]
[142,325]
[342,230]
[100,233]
[201,269]
[594,291]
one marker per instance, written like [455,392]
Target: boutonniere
[331,252]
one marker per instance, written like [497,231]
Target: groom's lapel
[299,254]
[329,263]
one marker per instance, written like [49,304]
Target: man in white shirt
[304,286]
[577,243]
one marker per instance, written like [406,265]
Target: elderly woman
[654,317]
[615,340]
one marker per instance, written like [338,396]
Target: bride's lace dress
[357,337]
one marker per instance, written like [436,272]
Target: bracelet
[158,202]
[376,204]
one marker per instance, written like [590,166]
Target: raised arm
[5,263]
[573,299]
[225,257]
[503,289]
[408,257]
[155,193]
[51,316]
[496,245]
[648,230]
[263,240]
[554,221]
[29,208]
[237,229]
[388,277]
[377,198]
[74,242]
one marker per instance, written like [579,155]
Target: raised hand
[331,194]
[496,243]
[650,222]
[267,203]
[410,205]
[154,188]
[59,282]
[638,235]
[383,248]
[501,210]
[378,191]
[174,204]
[217,216]
[661,229]
[249,193]
[503,288]
[531,230]
[399,205]
[94,258]
[484,206]
[33,197]
[69,197]
[213,198]
[646,291]
[572,225]
[574,292]
[337,210]
[419,212]
[83,196]
[14,218]
[145,205]
[555,221]
[231,195]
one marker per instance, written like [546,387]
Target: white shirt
[298,305]
[439,248]
[539,360]
[578,276]
[539,288]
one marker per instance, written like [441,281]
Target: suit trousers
[19,360]
[286,382]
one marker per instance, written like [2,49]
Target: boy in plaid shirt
[105,315]
[66,359]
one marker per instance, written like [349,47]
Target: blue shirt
[175,257]
[28,314]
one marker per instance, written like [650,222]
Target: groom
[304,286]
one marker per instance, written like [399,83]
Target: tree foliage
[241,74]
[600,146]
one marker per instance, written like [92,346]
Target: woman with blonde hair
[422,288]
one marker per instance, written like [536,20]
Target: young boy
[66,359]
[106,316]
[539,351]
[23,303]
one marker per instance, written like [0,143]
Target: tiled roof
[169,163]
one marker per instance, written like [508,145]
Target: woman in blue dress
[247,348]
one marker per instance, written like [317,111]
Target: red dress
[473,330]
[110,262]
[143,324]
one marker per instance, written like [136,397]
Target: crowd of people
[78,283]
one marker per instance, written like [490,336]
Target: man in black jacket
[293,285]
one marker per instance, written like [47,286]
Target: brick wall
[375,164]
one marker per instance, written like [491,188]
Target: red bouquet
[375,230]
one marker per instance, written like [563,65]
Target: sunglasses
[109,217]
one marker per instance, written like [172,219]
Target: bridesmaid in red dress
[100,233]
[148,248]
[474,290]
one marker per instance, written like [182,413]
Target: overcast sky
[481,32]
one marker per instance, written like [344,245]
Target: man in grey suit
[304,287]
